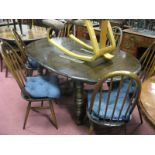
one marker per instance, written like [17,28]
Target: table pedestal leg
[80,101]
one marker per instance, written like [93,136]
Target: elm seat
[42,87]
[109,112]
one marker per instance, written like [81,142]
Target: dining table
[147,99]
[79,71]
[27,33]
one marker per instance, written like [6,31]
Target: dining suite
[105,81]
[79,71]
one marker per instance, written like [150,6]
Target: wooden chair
[33,89]
[66,82]
[147,61]
[114,107]
[118,34]
[30,63]
[63,32]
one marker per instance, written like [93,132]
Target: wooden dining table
[55,60]
[27,34]
[148,99]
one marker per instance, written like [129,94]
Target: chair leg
[47,72]
[29,72]
[27,113]
[6,72]
[42,103]
[91,129]
[56,101]
[140,114]
[125,131]
[1,63]
[40,70]
[53,113]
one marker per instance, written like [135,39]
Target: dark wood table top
[148,99]
[28,34]
[53,59]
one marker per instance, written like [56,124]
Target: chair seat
[31,63]
[114,91]
[42,87]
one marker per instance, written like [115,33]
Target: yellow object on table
[97,49]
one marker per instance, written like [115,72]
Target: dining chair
[118,34]
[147,61]
[114,107]
[65,82]
[30,63]
[33,88]
[68,28]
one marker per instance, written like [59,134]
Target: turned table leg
[80,102]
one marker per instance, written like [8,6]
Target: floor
[12,112]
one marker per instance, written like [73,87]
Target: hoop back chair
[61,33]
[30,63]
[118,34]
[66,84]
[67,28]
[148,62]
[33,89]
[114,107]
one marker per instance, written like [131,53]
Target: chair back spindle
[20,44]
[14,63]
[118,34]
[148,62]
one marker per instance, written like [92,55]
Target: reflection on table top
[53,59]
[28,34]
[148,99]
